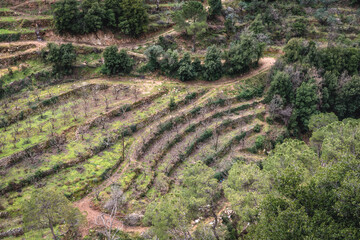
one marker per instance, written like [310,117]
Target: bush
[116,62]
[170,62]
[212,66]
[299,27]
[62,57]
[67,17]
[186,70]
[215,7]
[259,142]
[244,54]
[153,54]
[257,128]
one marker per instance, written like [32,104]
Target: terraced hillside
[127,138]
[84,136]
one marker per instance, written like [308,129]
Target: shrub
[215,7]
[62,57]
[170,62]
[186,70]
[116,62]
[153,54]
[259,142]
[257,128]
[172,104]
[244,54]
[212,66]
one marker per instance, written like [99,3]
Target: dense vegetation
[127,16]
[154,119]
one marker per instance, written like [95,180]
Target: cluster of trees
[309,80]
[242,55]
[297,192]
[127,16]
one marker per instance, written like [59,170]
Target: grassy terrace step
[180,103]
[57,120]
[144,181]
[163,127]
[18,22]
[80,157]
[6,162]
[46,104]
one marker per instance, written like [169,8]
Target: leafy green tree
[348,100]
[215,7]
[294,50]
[94,15]
[313,196]
[329,91]
[117,62]
[191,19]
[186,70]
[113,12]
[49,208]
[320,120]
[244,54]
[246,188]
[153,54]
[67,16]
[257,25]
[299,27]
[281,85]
[62,57]
[170,62]
[134,19]
[212,68]
[291,164]
[306,102]
[198,68]
[169,217]
[201,191]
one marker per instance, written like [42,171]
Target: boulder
[133,219]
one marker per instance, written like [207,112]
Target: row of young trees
[242,55]
[309,80]
[127,16]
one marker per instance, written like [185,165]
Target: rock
[133,219]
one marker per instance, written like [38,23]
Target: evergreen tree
[306,103]
[134,18]
[191,19]
[186,70]
[212,65]
[117,62]
[67,16]
[215,7]
[62,57]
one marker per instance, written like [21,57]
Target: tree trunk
[52,230]
[215,224]
[194,42]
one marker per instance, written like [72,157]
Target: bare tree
[216,136]
[117,199]
[95,98]
[2,142]
[136,93]
[85,107]
[106,102]
[37,94]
